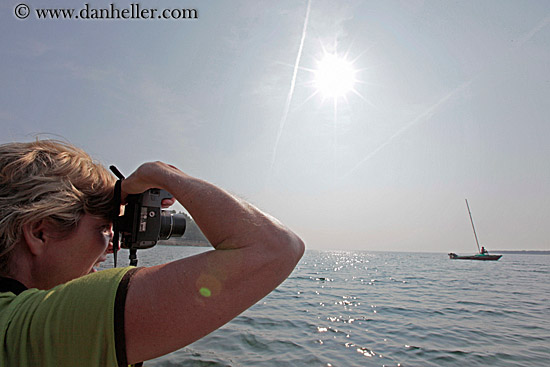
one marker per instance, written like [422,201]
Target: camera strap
[117,201]
[116,212]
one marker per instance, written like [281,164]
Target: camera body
[144,222]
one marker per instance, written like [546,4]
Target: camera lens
[171,225]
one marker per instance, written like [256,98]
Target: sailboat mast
[474,228]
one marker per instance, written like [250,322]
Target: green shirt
[72,324]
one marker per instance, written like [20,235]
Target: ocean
[354,308]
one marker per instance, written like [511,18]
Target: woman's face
[76,255]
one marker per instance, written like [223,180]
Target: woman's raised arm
[172,305]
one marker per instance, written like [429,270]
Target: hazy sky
[451,102]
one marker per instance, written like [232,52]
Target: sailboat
[482,254]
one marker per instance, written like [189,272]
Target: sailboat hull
[454,256]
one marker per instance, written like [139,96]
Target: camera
[144,222]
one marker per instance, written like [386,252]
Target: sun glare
[335,76]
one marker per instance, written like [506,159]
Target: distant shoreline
[191,243]
[180,242]
[521,252]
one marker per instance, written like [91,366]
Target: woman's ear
[35,237]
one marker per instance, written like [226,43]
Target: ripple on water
[352,309]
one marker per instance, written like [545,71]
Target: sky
[449,101]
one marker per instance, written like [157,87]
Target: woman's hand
[147,176]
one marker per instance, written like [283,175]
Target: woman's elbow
[288,248]
[299,247]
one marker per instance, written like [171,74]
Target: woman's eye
[106,230]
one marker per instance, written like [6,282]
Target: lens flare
[205,292]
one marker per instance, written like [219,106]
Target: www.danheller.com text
[89,12]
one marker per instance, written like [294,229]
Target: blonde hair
[52,180]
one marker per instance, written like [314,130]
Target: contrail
[543,23]
[424,115]
[292,84]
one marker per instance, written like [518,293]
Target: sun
[334,76]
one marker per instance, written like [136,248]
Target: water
[353,308]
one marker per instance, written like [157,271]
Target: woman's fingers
[166,203]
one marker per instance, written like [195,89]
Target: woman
[55,225]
